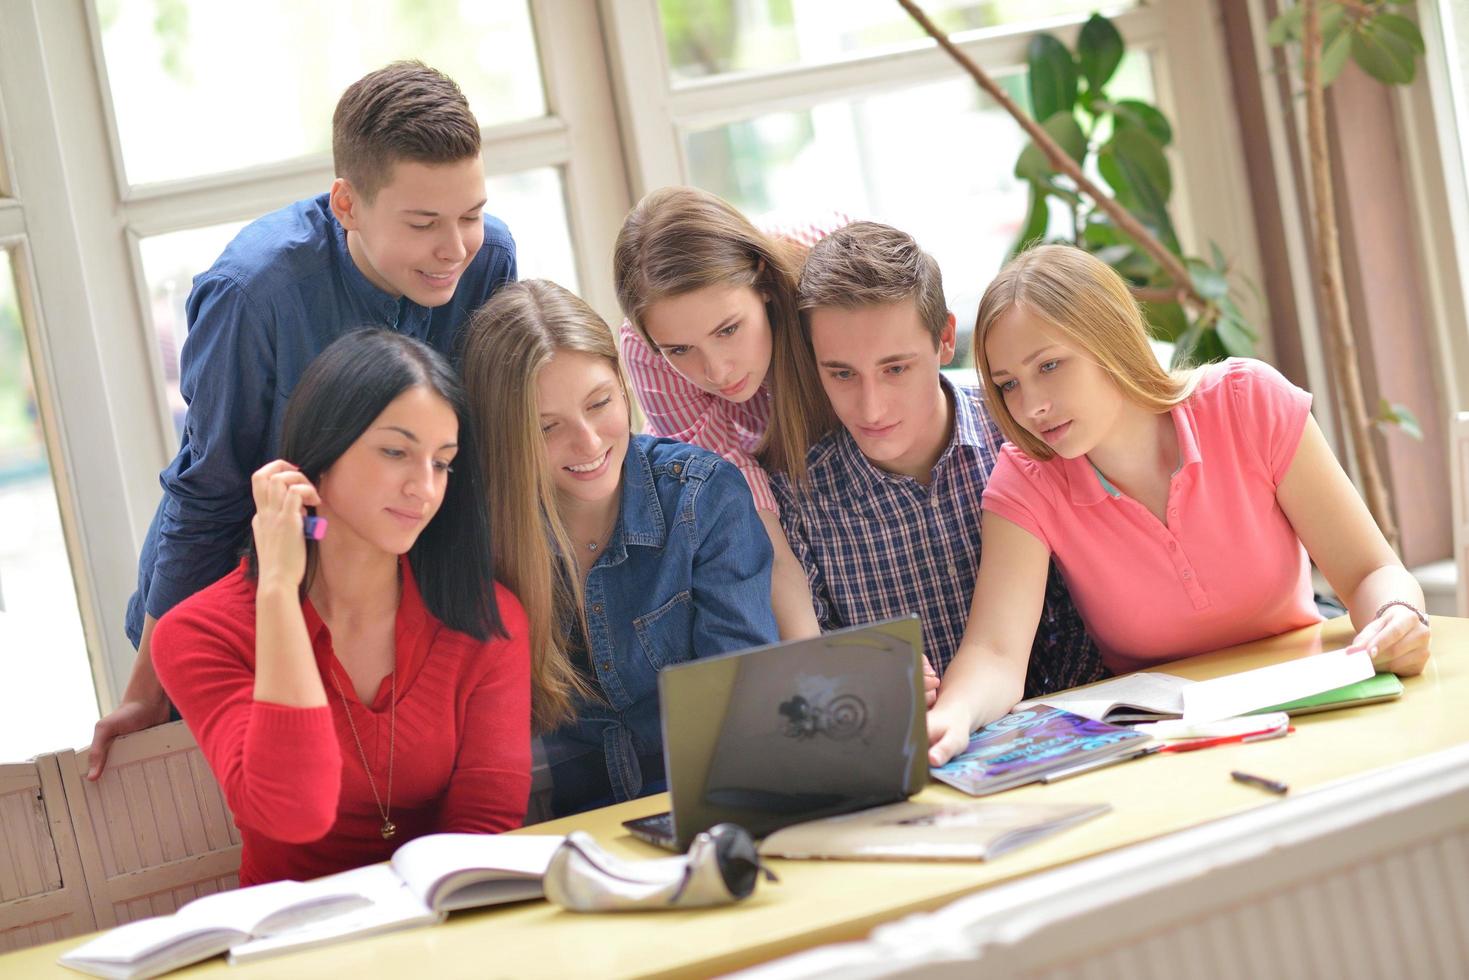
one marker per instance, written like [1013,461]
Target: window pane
[935,160]
[47,699]
[531,202]
[200,86]
[712,37]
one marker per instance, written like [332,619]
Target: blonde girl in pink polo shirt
[1179,506]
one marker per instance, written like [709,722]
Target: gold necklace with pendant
[389,829]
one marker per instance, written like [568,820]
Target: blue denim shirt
[685,574]
[283,290]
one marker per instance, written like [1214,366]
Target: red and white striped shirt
[680,409]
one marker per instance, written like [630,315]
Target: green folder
[1379,687]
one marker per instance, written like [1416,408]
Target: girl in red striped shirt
[707,297]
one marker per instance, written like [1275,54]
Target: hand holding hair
[282,495]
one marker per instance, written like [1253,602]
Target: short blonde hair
[1089,304]
[508,342]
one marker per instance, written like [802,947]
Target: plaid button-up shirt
[876,545]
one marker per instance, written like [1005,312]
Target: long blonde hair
[680,239]
[507,343]
[1090,306]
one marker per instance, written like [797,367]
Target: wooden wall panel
[43,893]
[154,829]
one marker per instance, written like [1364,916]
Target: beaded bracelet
[1406,605]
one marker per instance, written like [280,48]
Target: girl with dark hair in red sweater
[356,692]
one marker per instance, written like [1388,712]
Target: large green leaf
[1208,282]
[1052,77]
[1134,164]
[1037,218]
[1166,321]
[1383,55]
[1234,337]
[1099,49]
[1065,130]
[1135,178]
[1140,115]
[1334,57]
[1402,28]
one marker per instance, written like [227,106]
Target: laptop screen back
[776,735]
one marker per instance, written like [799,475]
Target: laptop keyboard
[656,829]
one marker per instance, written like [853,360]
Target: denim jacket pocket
[665,632]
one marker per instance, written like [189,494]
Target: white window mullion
[728,98]
[639,63]
[12,220]
[574,71]
[91,370]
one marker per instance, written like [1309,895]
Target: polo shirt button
[597,608]
[1173,546]
[1173,512]
[1187,574]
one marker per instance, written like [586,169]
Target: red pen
[1209,743]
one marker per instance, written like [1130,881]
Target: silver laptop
[779,734]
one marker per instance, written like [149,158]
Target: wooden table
[822,902]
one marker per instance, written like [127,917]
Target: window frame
[84,233]
[1182,37]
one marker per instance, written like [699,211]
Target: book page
[136,941]
[393,906]
[1236,694]
[1152,692]
[429,861]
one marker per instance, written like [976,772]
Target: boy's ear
[345,203]
[948,340]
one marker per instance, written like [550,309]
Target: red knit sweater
[293,777]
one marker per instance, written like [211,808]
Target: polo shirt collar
[1085,482]
[966,432]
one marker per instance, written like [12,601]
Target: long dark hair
[342,390]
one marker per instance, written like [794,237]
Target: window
[142,137]
[713,37]
[197,89]
[46,699]
[804,108]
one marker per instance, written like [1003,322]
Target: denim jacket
[685,574]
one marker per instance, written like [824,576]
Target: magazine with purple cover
[1025,745]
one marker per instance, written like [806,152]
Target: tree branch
[1182,286]
[1334,308]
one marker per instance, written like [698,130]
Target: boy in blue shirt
[401,241]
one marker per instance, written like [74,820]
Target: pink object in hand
[315,528]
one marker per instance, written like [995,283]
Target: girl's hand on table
[1397,641]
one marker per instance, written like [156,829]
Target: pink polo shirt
[1227,567]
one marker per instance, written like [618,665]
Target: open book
[425,878]
[1327,679]
[207,927]
[911,831]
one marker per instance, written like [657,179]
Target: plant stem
[1336,315]
[1060,160]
